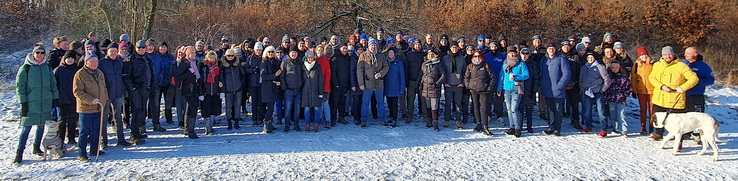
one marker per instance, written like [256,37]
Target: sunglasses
[230,55]
[140,47]
[270,52]
[279,52]
[40,53]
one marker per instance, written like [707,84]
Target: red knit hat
[642,51]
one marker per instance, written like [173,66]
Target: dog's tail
[717,129]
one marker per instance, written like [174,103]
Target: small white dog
[53,145]
[680,123]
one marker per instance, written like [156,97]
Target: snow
[408,152]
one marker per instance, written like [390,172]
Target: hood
[227,64]
[31,61]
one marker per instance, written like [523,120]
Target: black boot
[517,133]
[37,150]
[478,128]
[157,127]
[435,126]
[576,125]
[267,126]
[434,116]
[18,157]
[236,125]
[230,124]
[342,121]
[485,130]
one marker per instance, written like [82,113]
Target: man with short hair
[696,95]
[555,75]
[671,79]
[454,72]
[112,67]
[91,93]
[138,78]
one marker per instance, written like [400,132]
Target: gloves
[24,109]
[201,98]
[55,103]
[320,96]
[589,93]
[634,96]
[222,95]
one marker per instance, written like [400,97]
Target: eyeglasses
[40,53]
[230,55]
[586,42]
[279,52]
[270,52]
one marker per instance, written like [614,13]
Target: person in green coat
[37,93]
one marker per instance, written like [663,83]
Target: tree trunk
[149,19]
[134,23]
[108,18]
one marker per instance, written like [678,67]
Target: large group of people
[93,83]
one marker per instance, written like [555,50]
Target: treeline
[708,24]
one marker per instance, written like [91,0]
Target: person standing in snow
[432,79]
[454,87]
[615,95]
[67,104]
[481,82]
[292,82]
[313,92]
[112,67]
[185,76]
[37,94]
[530,88]
[325,52]
[394,85]
[269,73]
[233,79]
[91,95]
[210,92]
[513,73]
[341,83]
[593,81]
[370,72]
[642,88]
[696,95]
[555,74]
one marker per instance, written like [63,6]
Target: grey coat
[454,77]
[594,76]
[369,65]
[313,87]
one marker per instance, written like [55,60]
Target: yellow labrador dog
[53,145]
[679,123]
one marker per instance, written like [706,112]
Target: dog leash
[672,108]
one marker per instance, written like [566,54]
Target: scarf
[212,71]
[193,65]
[510,63]
[123,56]
[309,66]
[453,61]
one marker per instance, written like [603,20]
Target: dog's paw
[713,159]
[700,153]
[674,153]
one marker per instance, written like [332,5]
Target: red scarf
[213,71]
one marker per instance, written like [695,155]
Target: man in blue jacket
[555,75]
[696,95]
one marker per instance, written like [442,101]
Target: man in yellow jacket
[671,79]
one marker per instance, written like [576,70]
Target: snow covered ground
[408,152]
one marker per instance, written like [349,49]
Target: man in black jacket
[412,71]
[341,82]
[138,78]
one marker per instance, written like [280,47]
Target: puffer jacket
[113,70]
[368,65]
[454,76]
[292,75]
[231,75]
[313,87]
[594,76]
[64,75]
[89,85]
[433,78]
[412,65]
[137,73]
[619,88]
[36,87]
[519,72]
[674,75]
[555,74]
[252,67]
[479,79]
[394,85]
[639,77]
[269,90]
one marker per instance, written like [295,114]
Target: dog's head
[658,119]
[52,126]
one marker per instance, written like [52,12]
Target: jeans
[233,105]
[453,103]
[326,108]
[318,113]
[113,111]
[24,136]
[512,101]
[555,112]
[617,116]
[366,105]
[292,101]
[527,112]
[587,110]
[181,106]
[89,132]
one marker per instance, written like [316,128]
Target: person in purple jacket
[615,95]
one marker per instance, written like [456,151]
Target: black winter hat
[112,45]
[294,48]
[105,42]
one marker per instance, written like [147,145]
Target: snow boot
[478,128]
[236,125]
[383,123]
[446,124]
[18,157]
[434,116]
[307,128]
[83,159]
[37,149]
[435,126]
[510,131]
[316,127]
[576,125]
[460,124]
[230,124]
[517,133]
[342,120]
[485,130]
[158,128]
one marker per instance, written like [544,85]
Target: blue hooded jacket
[555,74]
[704,73]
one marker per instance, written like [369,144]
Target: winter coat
[269,90]
[394,84]
[453,76]
[495,61]
[325,66]
[340,70]
[594,75]
[354,82]
[704,73]
[155,64]
[626,63]
[479,79]
[292,75]
[368,65]
[185,80]
[231,75]
[209,88]
[412,65]
[36,87]
[313,88]
[113,71]
[639,77]
[54,57]
[555,74]
[165,62]
[433,78]
[532,84]
[619,88]
[575,64]
[519,72]
[64,75]
[252,67]
[673,75]
[89,85]
[137,73]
